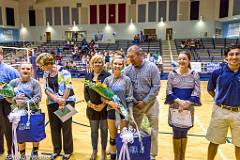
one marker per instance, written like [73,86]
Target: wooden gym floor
[197,144]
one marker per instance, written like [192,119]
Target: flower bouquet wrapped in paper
[107,94]
[6,90]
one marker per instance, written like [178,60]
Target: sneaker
[54,155]
[66,156]
[9,157]
[153,157]
[23,157]
[34,155]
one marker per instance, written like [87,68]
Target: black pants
[1,136]
[57,127]
[5,125]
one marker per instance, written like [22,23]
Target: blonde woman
[96,109]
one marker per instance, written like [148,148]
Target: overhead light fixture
[49,28]
[161,23]
[131,27]
[75,27]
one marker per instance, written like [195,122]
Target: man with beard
[7,73]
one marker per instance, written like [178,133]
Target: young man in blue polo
[224,86]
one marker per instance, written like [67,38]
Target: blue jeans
[95,124]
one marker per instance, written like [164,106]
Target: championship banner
[211,66]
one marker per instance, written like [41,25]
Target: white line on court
[205,131]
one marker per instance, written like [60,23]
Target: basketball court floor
[197,144]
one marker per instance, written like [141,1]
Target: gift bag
[136,150]
[32,130]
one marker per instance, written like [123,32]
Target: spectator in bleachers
[74,52]
[150,57]
[84,45]
[183,44]
[136,39]
[107,60]
[141,37]
[159,63]
[91,45]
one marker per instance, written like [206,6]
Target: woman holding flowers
[122,87]
[96,109]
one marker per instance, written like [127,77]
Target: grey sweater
[31,89]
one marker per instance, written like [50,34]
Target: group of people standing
[137,85]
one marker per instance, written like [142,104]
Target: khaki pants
[221,121]
[152,112]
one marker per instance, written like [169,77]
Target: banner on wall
[211,66]
[196,66]
[9,34]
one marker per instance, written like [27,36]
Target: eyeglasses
[96,62]
[120,64]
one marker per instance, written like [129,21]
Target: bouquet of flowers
[107,94]
[6,90]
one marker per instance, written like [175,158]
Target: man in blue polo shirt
[7,73]
[224,86]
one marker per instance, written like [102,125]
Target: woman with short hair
[59,91]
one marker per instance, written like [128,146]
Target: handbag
[180,119]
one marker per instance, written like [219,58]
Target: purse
[180,119]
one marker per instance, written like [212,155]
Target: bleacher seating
[210,50]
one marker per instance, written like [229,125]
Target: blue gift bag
[34,132]
[136,153]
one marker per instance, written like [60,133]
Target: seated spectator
[141,36]
[183,44]
[73,64]
[136,39]
[91,45]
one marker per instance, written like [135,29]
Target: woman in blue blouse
[96,109]
[183,92]
[122,87]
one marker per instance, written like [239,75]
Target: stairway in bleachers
[168,48]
